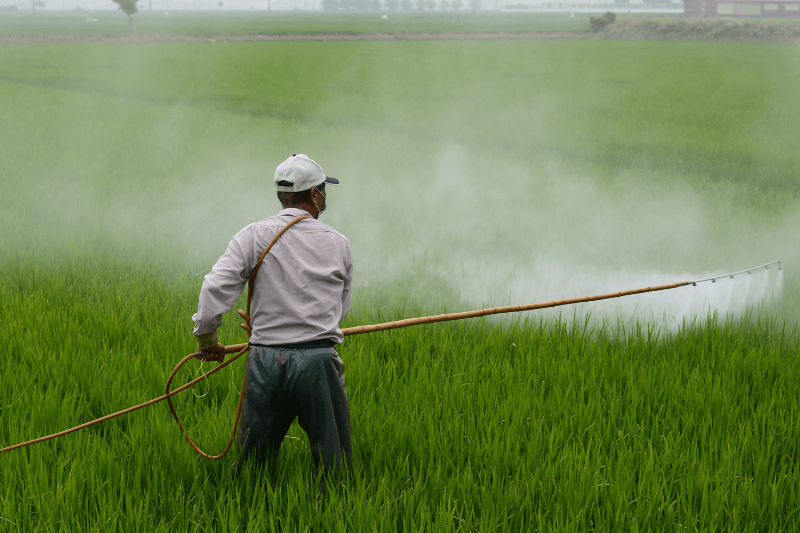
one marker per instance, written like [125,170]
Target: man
[301,294]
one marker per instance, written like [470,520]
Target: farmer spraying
[299,296]
[299,273]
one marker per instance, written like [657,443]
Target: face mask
[324,203]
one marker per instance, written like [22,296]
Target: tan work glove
[210,348]
[214,353]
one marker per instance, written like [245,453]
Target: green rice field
[474,173]
[238,23]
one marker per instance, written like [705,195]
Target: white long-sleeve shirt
[302,290]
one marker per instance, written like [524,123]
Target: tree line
[130,7]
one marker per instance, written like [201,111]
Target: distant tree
[360,5]
[475,5]
[129,8]
[445,5]
[330,5]
[457,5]
[37,3]
[406,5]
[374,5]
[599,24]
[392,5]
[220,4]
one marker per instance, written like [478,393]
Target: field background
[205,24]
[472,173]
[242,23]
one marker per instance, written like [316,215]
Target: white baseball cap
[300,173]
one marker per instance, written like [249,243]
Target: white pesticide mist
[464,231]
[496,233]
[442,223]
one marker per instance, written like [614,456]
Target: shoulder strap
[246,315]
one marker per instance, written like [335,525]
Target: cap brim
[331,180]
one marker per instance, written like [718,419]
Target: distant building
[742,8]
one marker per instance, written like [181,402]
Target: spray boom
[765,266]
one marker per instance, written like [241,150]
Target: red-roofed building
[742,8]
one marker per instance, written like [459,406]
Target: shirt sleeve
[221,287]
[348,280]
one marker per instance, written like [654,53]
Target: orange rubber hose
[241,349]
[129,409]
[238,407]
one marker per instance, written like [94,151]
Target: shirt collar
[294,211]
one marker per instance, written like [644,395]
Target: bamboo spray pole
[358,330]
[241,349]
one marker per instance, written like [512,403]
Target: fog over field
[473,173]
[498,233]
[488,216]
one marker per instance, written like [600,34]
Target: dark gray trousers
[305,383]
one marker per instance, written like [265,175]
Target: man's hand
[214,353]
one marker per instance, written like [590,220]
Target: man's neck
[308,207]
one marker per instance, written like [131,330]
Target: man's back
[302,290]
